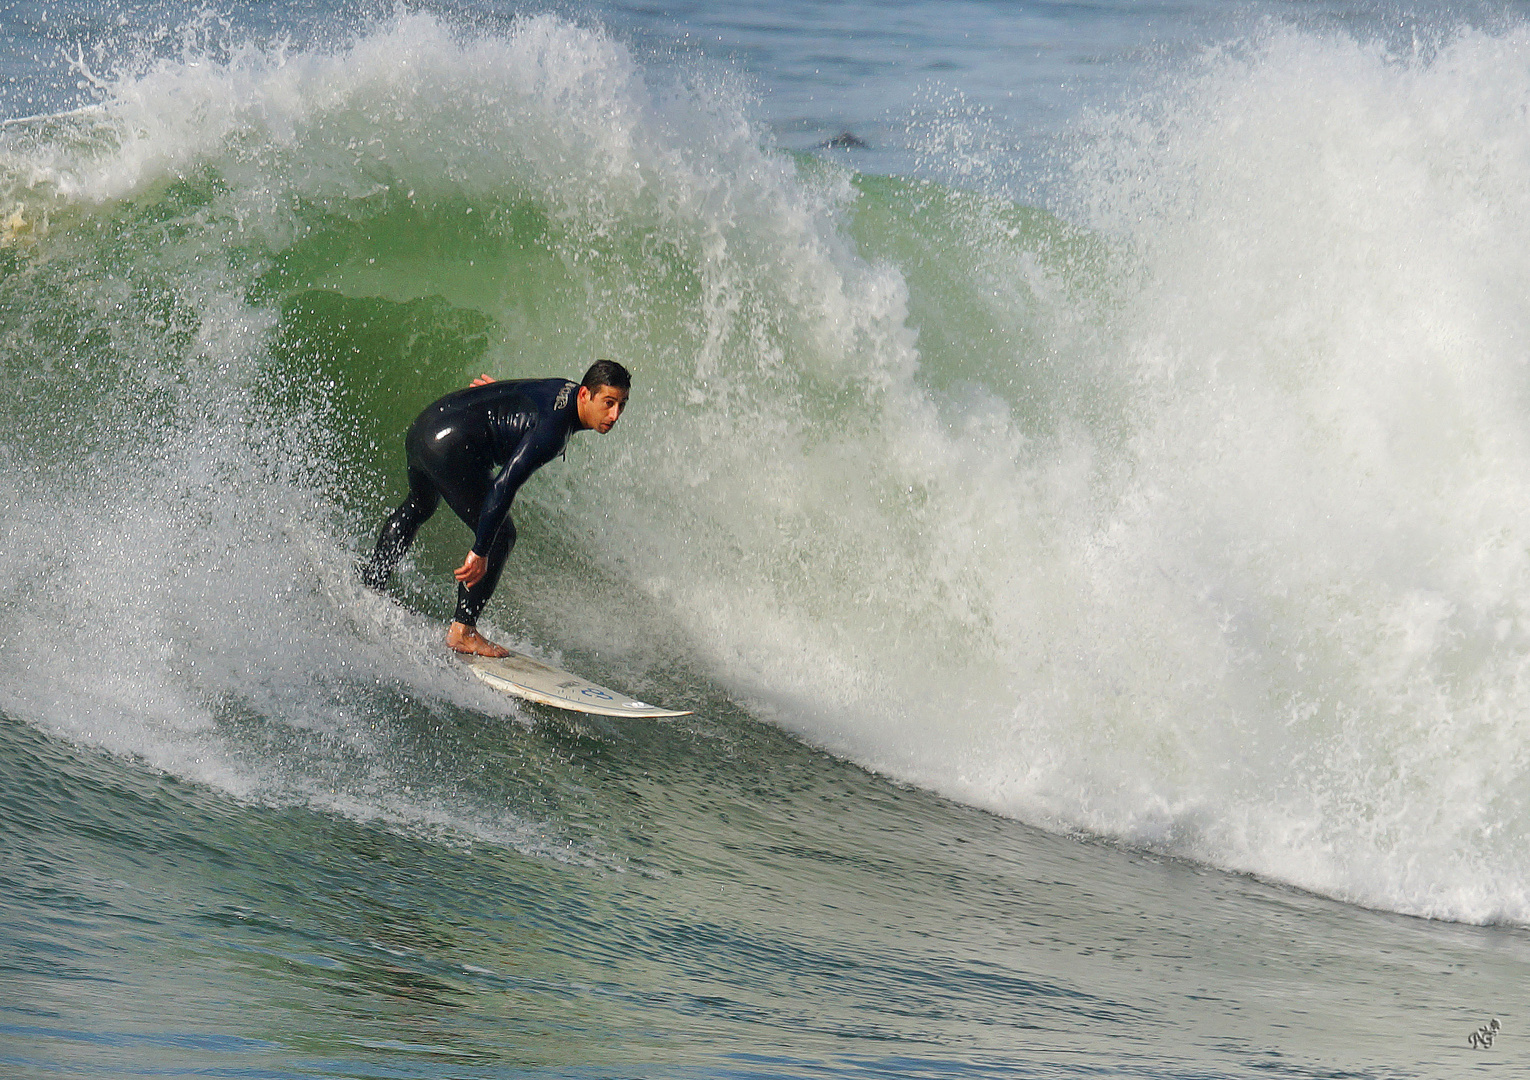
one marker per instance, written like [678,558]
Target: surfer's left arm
[537,447]
[472,570]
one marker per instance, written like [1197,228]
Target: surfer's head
[607,373]
[603,395]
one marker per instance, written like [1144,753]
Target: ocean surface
[1078,472]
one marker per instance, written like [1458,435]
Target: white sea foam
[1254,591]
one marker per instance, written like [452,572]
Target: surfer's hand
[482,380]
[472,570]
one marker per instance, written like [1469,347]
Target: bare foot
[466,639]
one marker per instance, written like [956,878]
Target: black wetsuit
[453,448]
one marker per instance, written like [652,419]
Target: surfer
[453,448]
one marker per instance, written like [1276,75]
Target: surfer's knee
[397,535]
[372,574]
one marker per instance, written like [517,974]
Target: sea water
[1077,471]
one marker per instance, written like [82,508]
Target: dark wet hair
[606,373]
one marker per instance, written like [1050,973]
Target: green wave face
[339,265]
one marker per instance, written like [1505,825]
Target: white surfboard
[547,685]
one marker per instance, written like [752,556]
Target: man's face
[599,411]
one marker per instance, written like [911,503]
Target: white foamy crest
[548,104]
[1278,621]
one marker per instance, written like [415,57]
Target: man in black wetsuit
[453,448]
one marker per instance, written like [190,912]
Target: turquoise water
[1088,522]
